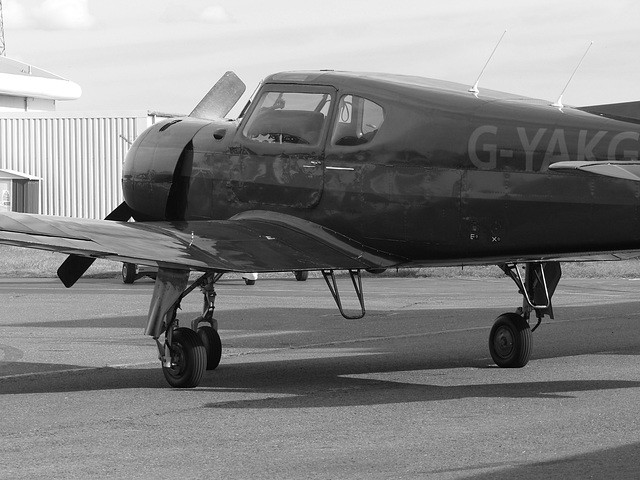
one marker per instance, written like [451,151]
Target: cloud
[176,11]
[16,15]
[49,15]
[214,14]
[65,14]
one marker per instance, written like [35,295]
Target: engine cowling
[157,168]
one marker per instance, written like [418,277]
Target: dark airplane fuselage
[448,178]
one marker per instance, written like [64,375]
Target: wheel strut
[510,340]
[185,352]
[208,289]
[206,326]
[536,287]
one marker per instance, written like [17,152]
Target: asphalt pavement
[409,391]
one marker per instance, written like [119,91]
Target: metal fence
[79,157]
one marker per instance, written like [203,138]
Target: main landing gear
[510,339]
[187,352]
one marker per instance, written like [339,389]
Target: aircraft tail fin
[626,112]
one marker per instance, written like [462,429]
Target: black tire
[128,272]
[510,341]
[189,357]
[301,275]
[212,344]
[248,281]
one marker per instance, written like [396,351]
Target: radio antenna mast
[2,50]
[558,103]
[474,89]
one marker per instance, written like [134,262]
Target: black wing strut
[356,279]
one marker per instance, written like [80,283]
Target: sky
[164,55]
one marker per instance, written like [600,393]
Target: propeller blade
[221,98]
[75,265]
[122,213]
[73,268]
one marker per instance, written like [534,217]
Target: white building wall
[9,103]
[79,157]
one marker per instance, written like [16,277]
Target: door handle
[313,164]
[344,169]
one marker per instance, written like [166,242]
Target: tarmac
[409,391]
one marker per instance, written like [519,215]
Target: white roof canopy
[23,80]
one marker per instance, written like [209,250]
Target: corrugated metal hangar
[55,163]
[78,158]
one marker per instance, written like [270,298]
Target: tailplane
[626,112]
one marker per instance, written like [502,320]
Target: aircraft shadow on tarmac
[620,463]
[56,378]
[330,383]
[323,382]
[138,321]
[326,382]
[309,383]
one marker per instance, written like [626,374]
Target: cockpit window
[288,117]
[358,121]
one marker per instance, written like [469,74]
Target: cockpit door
[277,157]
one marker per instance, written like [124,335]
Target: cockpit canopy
[286,116]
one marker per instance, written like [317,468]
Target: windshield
[288,117]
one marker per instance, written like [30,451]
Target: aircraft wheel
[301,275]
[189,359]
[212,345]
[510,341]
[128,272]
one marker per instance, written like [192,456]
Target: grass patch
[609,269]
[31,263]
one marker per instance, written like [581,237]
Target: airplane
[340,171]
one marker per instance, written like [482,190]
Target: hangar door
[19,192]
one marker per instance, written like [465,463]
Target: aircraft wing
[256,241]
[629,170]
